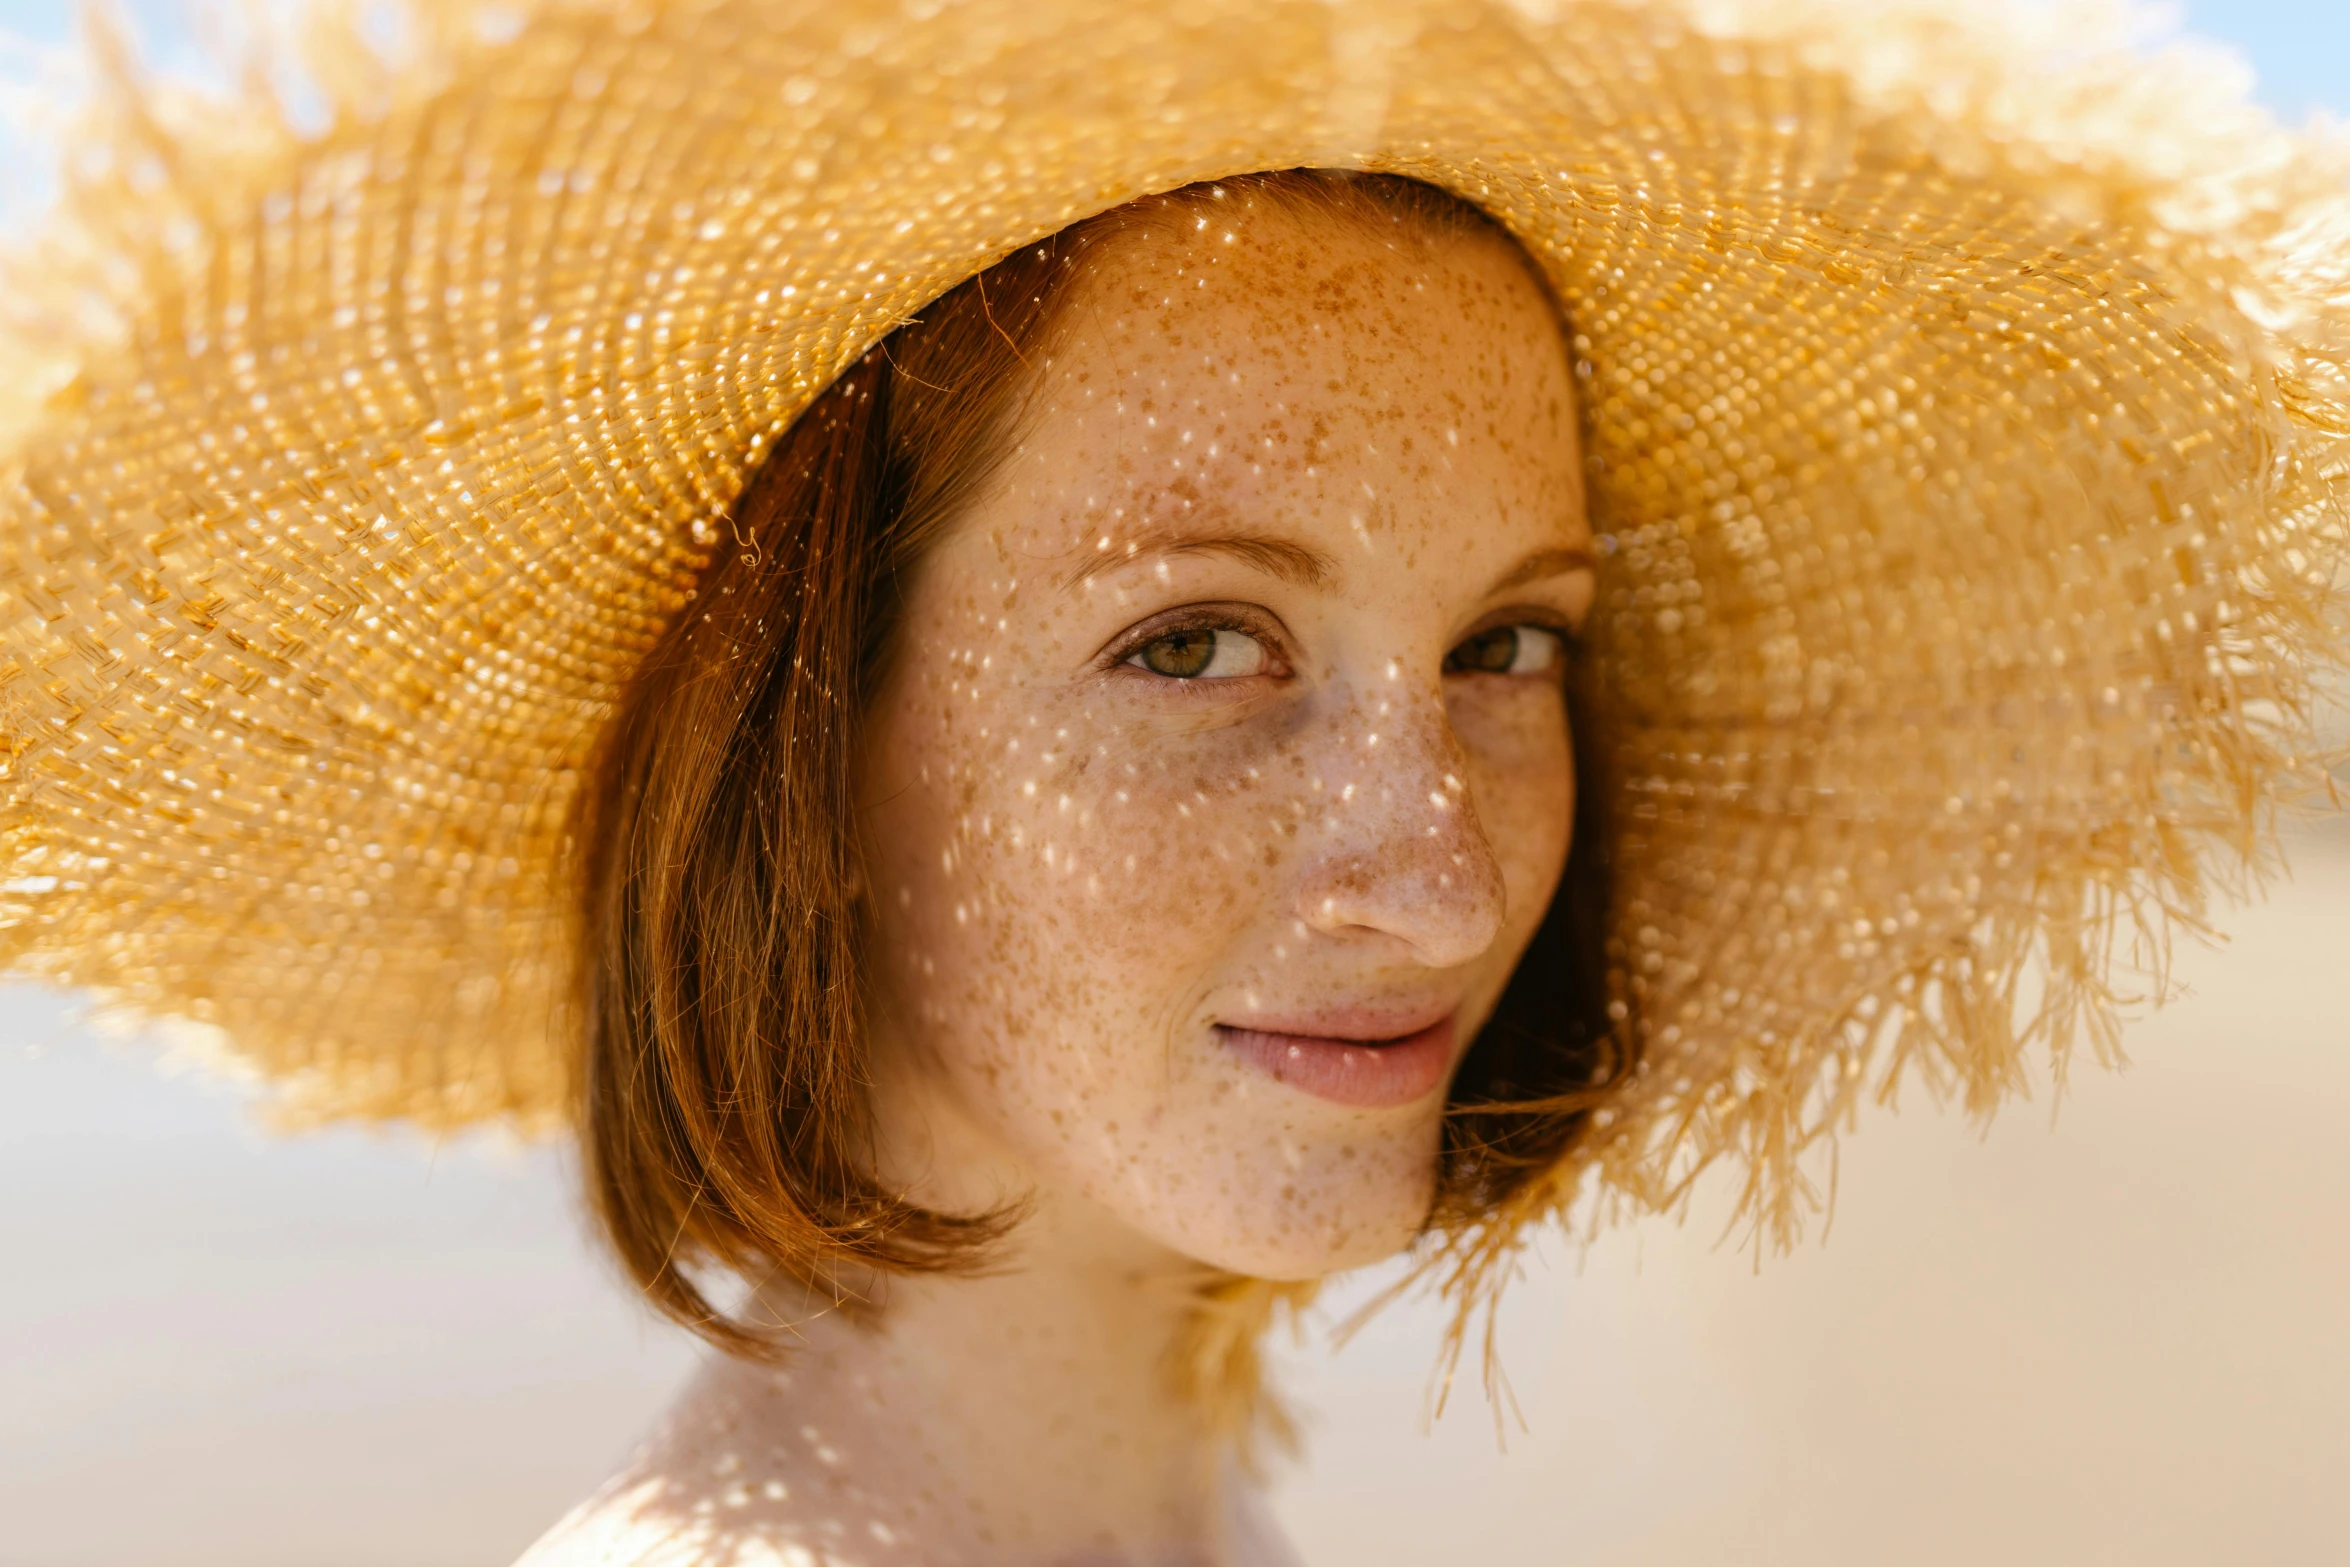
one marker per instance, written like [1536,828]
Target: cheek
[1522,769]
[1049,901]
[1180,852]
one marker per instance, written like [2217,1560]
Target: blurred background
[2111,1330]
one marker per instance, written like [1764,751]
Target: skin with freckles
[1218,777]
[1344,459]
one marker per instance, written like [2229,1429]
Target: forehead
[1251,284]
[1246,365]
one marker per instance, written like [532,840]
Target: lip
[1364,1059]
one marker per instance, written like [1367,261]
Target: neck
[1027,1415]
[1056,1368]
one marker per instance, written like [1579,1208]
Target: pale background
[2121,1340]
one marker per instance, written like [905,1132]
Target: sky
[2298,49]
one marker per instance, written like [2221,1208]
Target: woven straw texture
[1966,409]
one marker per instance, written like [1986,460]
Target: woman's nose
[1401,852]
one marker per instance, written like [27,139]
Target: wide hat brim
[1965,419]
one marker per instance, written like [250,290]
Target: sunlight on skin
[1343,454]
[1224,728]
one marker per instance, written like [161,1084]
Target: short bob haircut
[723,1118]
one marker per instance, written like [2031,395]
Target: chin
[1341,1207]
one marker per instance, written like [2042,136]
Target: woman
[1087,777]
[1165,747]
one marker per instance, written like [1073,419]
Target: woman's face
[1222,772]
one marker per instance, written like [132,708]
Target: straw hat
[1967,409]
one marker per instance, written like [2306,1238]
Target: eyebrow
[1544,564]
[1276,557]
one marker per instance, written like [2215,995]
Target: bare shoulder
[622,1525]
[746,1471]
[651,1516]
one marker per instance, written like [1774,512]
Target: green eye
[1201,653]
[1506,650]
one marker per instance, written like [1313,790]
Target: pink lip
[1364,1066]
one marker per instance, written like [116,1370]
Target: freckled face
[1222,772]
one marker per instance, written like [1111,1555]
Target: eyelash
[1570,638]
[1118,658]
[1199,617]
